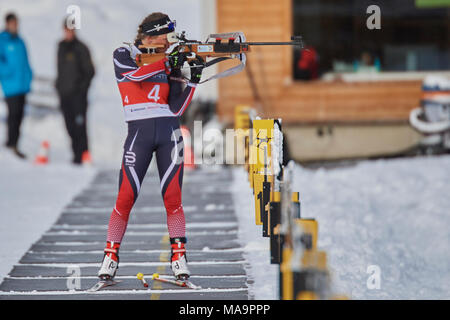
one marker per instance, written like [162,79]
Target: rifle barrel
[295,41]
[291,43]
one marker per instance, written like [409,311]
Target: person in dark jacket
[15,78]
[75,72]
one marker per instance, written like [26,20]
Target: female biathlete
[153,99]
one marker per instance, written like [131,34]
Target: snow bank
[32,198]
[262,276]
[391,214]
[394,214]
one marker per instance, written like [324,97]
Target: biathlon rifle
[219,47]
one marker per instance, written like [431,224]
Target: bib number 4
[154,93]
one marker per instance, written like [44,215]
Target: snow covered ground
[387,215]
[31,199]
[392,214]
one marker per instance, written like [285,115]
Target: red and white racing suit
[152,105]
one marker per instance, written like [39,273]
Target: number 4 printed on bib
[154,93]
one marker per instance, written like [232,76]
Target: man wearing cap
[153,100]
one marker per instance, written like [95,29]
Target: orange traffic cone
[188,152]
[42,157]
[86,158]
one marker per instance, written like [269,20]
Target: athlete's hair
[151,17]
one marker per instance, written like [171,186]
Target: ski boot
[178,259]
[110,262]
[109,267]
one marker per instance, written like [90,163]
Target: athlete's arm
[126,67]
[178,103]
[175,83]
[179,100]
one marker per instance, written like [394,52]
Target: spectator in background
[15,78]
[307,64]
[75,72]
[367,63]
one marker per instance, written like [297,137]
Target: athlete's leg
[169,158]
[137,155]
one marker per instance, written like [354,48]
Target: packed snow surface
[32,198]
[386,216]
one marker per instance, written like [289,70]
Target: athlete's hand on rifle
[197,66]
[176,59]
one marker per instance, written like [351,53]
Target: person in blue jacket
[15,78]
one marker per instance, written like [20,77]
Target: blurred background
[349,95]
[104,27]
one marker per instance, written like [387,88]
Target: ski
[102,284]
[179,282]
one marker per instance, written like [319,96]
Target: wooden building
[381,101]
[300,101]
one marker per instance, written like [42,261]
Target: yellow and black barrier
[242,127]
[293,243]
[307,279]
[261,170]
[276,238]
[303,271]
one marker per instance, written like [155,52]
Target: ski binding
[102,284]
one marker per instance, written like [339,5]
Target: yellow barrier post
[296,204]
[310,230]
[242,126]
[260,154]
[312,280]
[242,117]
[258,180]
[307,278]
[276,242]
[293,240]
[286,276]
